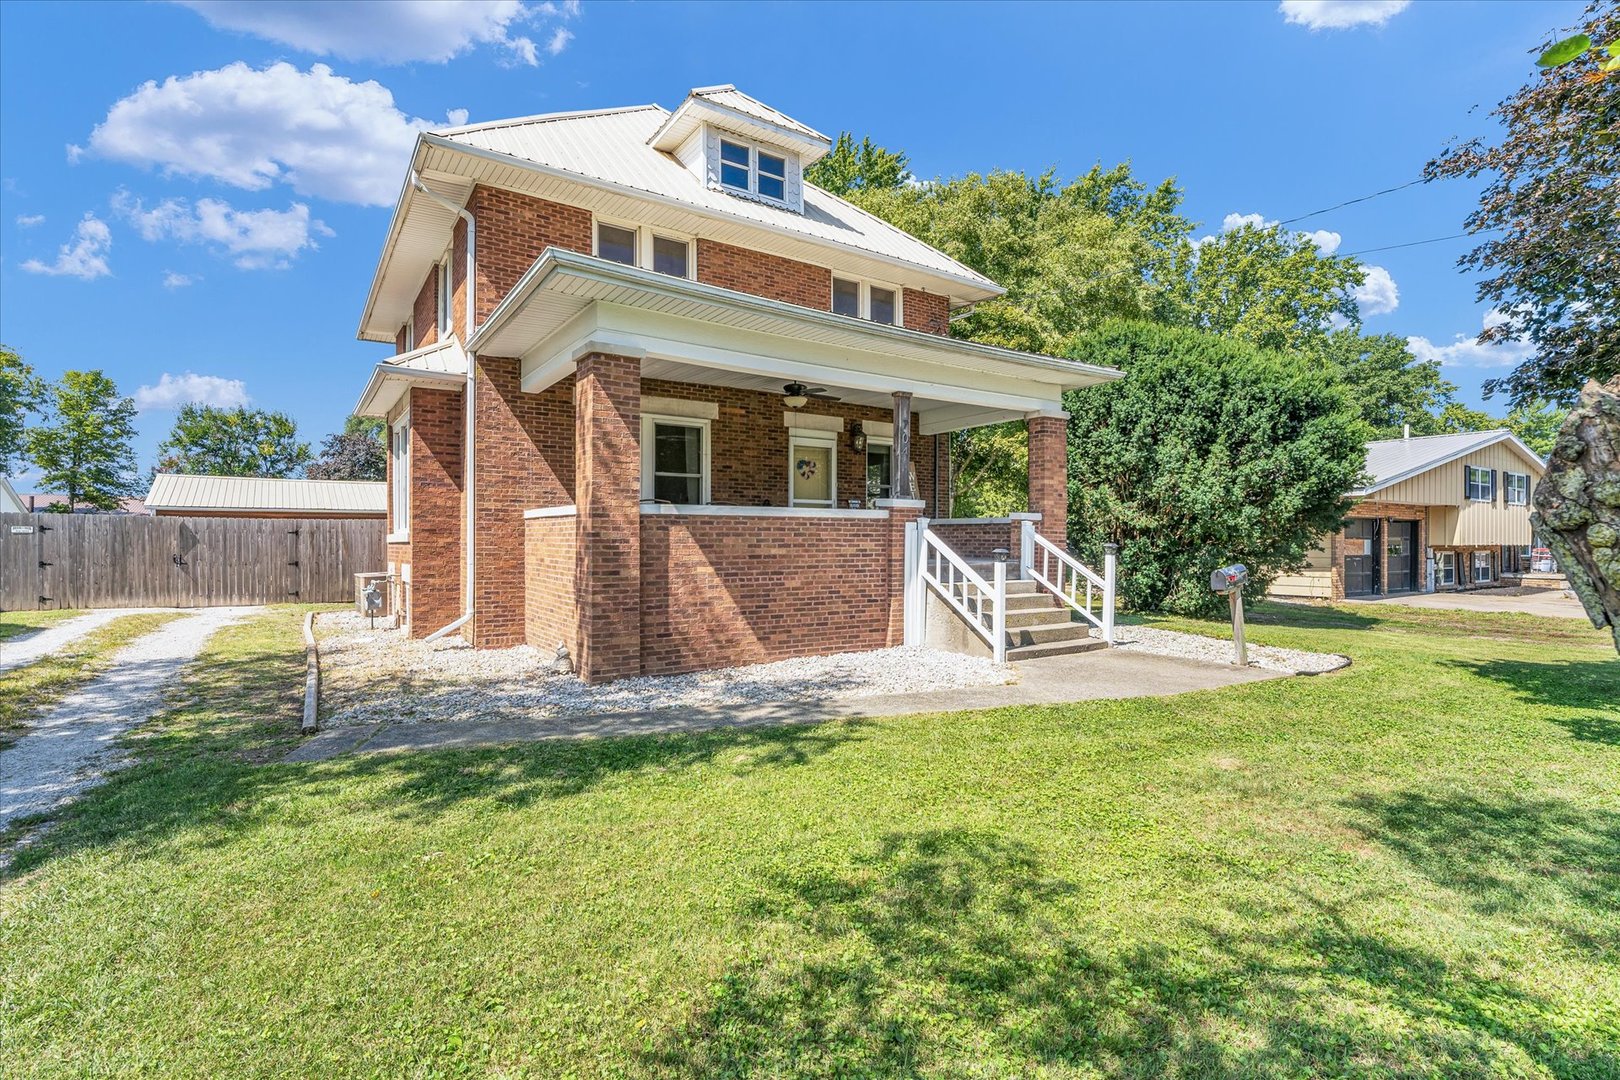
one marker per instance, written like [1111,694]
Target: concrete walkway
[73,745]
[1552,602]
[25,650]
[1047,681]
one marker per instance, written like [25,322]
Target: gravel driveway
[69,748]
[25,650]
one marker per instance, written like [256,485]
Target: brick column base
[607,493]
[1049,474]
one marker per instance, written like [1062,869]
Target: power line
[1410,243]
[1352,202]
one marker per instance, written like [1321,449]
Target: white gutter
[468,472]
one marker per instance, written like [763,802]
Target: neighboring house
[10,501]
[38,503]
[1441,512]
[190,495]
[637,462]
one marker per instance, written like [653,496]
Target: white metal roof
[188,491]
[729,107]
[442,364]
[1391,461]
[603,161]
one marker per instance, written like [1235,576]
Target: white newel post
[998,615]
[912,569]
[1110,561]
[1026,548]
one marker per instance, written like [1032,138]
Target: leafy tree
[358,452]
[21,392]
[990,470]
[848,168]
[1552,209]
[84,447]
[1210,451]
[1457,418]
[232,442]
[1389,387]
[1536,423]
[1271,288]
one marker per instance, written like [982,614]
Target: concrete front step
[1056,648]
[1043,615]
[1046,633]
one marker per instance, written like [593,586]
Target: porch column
[1049,474]
[900,463]
[607,536]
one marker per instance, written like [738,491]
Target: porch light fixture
[857,437]
[795,401]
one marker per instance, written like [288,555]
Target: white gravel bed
[370,676]
[1219,650]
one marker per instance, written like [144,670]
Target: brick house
[1442,512]
[658,399]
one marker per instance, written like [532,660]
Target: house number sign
[21,530]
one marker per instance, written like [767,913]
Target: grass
[16,623]
[1409,868]
[27,691]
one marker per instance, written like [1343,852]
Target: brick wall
[979,539]
[549,615]
[927,312]
[524,460]
[607,487]
[748,459]
[1049,476]
[425,310]
[724,590]
[513,230]
[771,276]
[434,551]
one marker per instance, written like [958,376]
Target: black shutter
[1467,490]
[1493,487]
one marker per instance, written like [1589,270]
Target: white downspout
[467,459]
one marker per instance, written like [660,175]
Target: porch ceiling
[568,305]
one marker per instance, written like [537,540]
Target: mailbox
[1228,578]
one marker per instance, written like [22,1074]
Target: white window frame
[1508,484]
[1445,568]
[753,148]
[827,439]
[864,288]
[871,441]
[410,334]
[399,452]
[648,425]
[644,237]
[1490,485]
[444,319]
[1473,567]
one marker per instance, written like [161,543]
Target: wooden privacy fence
[129,560]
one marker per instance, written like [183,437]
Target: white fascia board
[637,332]
[984,286]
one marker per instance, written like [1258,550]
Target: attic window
[749,170]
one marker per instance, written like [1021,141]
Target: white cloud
[1341,14]
[1326,242]
[1466,350]
[28,221]
[175,280]
[259,239]
[392,31]
[173,391]
[317,132]
[85,258]
[1234,222]
[560,38]
[1377,295]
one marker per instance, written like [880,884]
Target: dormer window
[749,170]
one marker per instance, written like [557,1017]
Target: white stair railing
[981,604]
[1063,575]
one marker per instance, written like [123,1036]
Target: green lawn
[28,690]
[15,623]
[1409,868]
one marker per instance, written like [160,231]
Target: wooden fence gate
[131,560]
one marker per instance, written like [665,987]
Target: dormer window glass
[772,176]
[750,170]
[615,244]
[734,166]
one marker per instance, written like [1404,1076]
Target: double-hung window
[1446,568]
[399,454]
[1482,566]
[753,170]
[1481,484]
[635,245]
[1516,487]
[615,243]
[444,299]
[863,300]
[675,460]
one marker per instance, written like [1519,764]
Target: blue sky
[213,235]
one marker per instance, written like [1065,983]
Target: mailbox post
[1230,581]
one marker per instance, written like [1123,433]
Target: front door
[1402,556]
[1361,557]
[812,471]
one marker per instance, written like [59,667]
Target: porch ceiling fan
[795,394]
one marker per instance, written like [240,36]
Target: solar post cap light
[1230,580]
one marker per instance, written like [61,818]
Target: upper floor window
[444,298]
[1481,484]
[752,170]
[615,243]
[1516,487]
[671,256]
[863,300]
[637,245]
